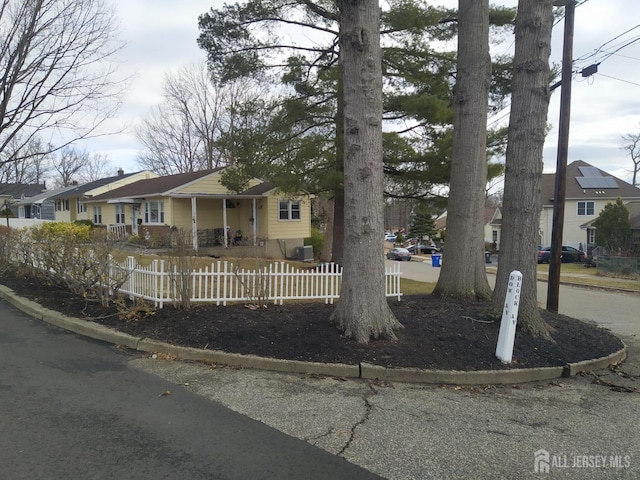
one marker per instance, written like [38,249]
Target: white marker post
[507,335]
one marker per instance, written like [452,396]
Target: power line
[595,52]
[619,79]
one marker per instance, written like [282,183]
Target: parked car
[389,237]
[399,254]
[429,249]
[568,255]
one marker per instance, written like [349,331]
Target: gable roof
[259,189]
[169,184]
[17,190]
[158,186]
[44,196]
[586,182]
[492,216]
[80,190]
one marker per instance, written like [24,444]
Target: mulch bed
[438,334]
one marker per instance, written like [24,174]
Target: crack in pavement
[322,435]
[365,417]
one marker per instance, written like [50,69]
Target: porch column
[254,221]
[194,224]
[224,222]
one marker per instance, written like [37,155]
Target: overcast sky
[161,37]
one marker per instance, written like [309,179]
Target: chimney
[120,172]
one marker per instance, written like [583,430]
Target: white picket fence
[222,282]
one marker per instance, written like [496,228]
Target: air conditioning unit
[305,254]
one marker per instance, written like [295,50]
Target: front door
[135,209]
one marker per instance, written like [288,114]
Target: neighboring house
[70,205]
[634,220]
[40,206]
[492,221]
[588,190]
[492,224]
[215,217]
[12,192]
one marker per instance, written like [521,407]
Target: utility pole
[555,261]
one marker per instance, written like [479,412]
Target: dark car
[430,249]
[399,254]
[568,255]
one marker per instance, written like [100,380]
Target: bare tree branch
[182,133]
[632,146]
[58,72]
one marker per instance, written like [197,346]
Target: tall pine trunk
[463,272]
[337,238]
[523,172]
[362,312]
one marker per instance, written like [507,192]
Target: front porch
[236,251]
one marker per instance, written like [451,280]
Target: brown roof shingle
[576,192]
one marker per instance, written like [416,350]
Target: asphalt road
[73,408]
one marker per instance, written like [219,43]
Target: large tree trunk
[327,246]
[337,239]
[363,312]
[527,125]
[464,271]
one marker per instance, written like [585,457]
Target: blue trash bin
[435,260]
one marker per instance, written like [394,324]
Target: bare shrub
[180,265]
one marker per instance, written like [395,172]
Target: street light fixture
[553,285]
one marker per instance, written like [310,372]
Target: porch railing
[118,231]
[222,282]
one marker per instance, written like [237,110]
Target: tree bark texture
[527,127]
[463,272]
[363,312]
[337,238]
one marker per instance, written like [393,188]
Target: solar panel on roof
[590,172]
[597,182]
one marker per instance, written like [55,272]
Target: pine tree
[613,228]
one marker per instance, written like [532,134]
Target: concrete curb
[363,370]
[454,377]
[250,361]
[596,364]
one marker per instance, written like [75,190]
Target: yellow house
[70,205]
[214,217]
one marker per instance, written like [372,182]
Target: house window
[154,212]
[120,213]
[289,210]
[62,205]
[591,236]
[97,215]
[494,235]
[82,207]
[586,208]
